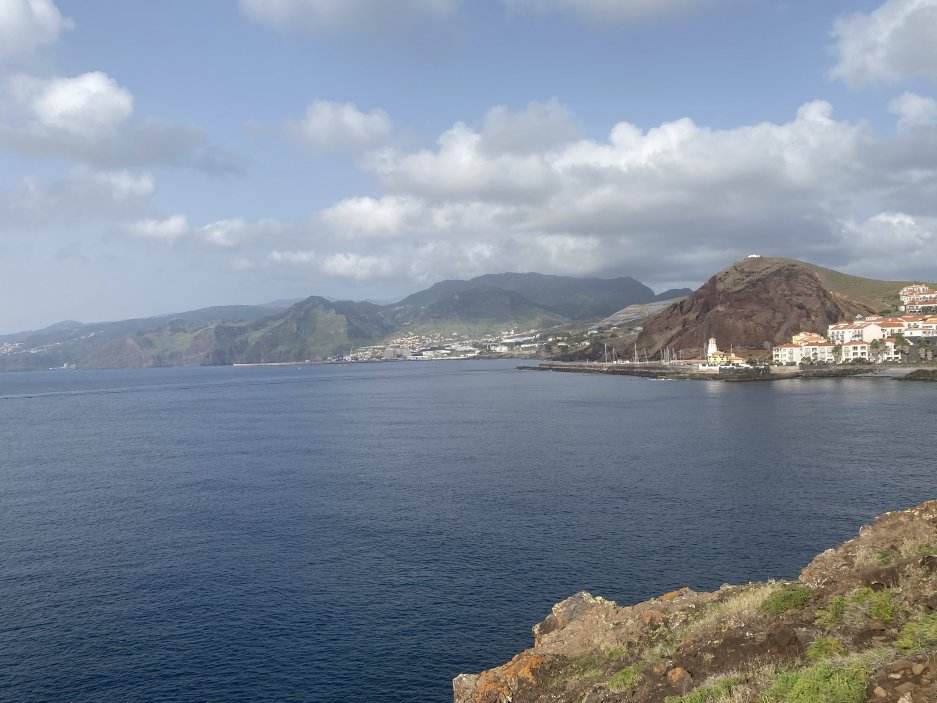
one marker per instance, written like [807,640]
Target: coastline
[780,373]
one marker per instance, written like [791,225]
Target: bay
[367,532]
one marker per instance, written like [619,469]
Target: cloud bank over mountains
[530,185]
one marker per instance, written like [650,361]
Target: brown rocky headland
[860,624]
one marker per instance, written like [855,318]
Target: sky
[165,156]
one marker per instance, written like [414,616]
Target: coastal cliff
[860,624]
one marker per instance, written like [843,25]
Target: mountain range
[317,327]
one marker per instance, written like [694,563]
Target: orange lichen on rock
[670,595]
[497,685]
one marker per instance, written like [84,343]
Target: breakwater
[693,373]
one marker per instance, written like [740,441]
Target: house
[860,330]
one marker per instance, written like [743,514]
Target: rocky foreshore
[860,624]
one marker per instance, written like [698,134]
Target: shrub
[832,614]
[588,667]
[821,682]
[790,598]
[858,606]
[918,634]
[625,679]
[824,648]
[711,692]
[883,558]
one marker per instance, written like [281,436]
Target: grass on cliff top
[824,648]
[745,601]
[822,682]
[625,679]
[792,597]
[919,635]
[717,690]
[858,607]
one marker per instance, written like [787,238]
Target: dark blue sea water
[365,533]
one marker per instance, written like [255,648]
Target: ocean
[364,533]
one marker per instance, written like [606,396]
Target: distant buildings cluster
[874,338]
[918,298]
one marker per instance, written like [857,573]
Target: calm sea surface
[365,533]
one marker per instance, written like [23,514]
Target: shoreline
[783,373]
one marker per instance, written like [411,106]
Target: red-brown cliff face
[750,303]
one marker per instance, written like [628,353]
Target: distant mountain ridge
[318,327]
[763,301]
[573,298]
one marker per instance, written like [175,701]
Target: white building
[859,331]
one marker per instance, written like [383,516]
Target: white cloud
[891,243]
[236,232]
[891,43]
[539,126]
[914,110]
[371,216]
[332,126]
[342,15]
[80,197]
[89,105]
[357,267]
[28,24]
[459,168]
[670,203]
[125,185]
[608,10]
[89,119]
[167,230]
[223,233]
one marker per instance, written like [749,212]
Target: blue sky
[164,156]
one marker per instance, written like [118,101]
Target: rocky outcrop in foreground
[860,624]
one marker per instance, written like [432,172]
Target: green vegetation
[625,679]
[793,597]
[824,648]
[588,667]
[714,691]
[859,606]
[875,294]
[883,558]
[918,634]
[821,682]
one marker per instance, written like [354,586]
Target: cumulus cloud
[607,10]
[914,110]
[28,24]
[332,126]
[891,43]
[539,126]
[367,216]
[89,118]
[80,197]
[88,106]
[358,267]
[876,240]
[671,203]
[344,15]
[230,234]
[167,230]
